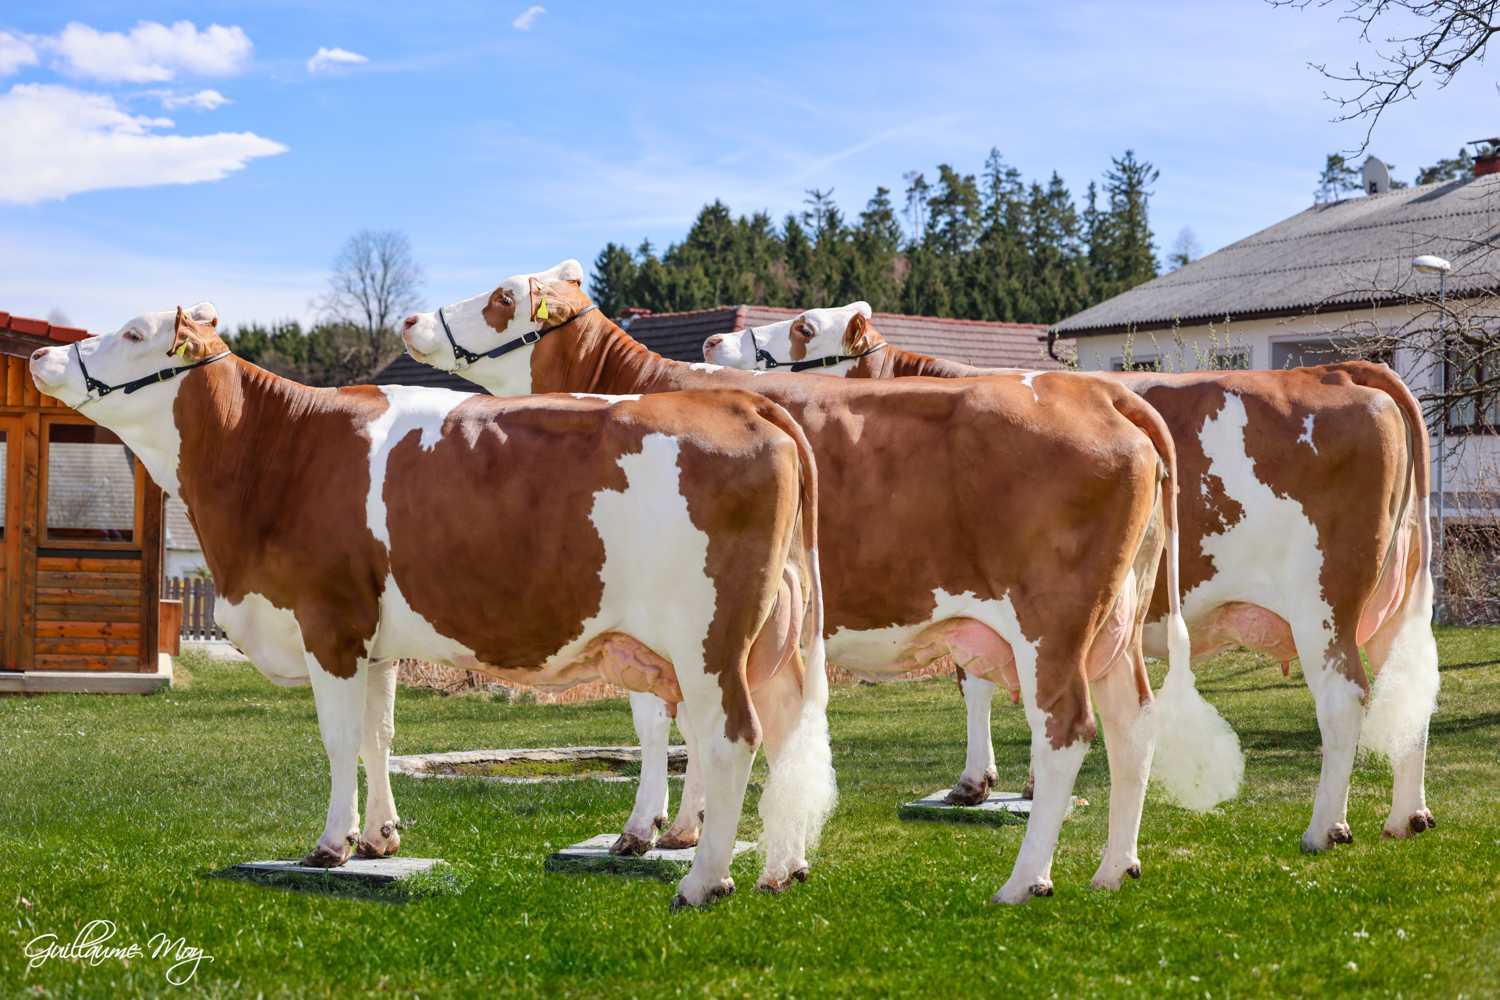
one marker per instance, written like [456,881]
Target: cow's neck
[152,435]
[595,355]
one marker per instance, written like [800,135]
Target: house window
[1230,361]
[1478,411]
[1137,365]
[4,469]
[90,485]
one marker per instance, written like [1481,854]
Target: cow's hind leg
[653,726]
[979,774]
[1403,655]
[1056,768]
[380,838]
[1327,667]
[1128,740]
[684,829]
[340,704]
[800,791]
[726,771]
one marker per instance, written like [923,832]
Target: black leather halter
[764,356]
[463,357]
[98,390]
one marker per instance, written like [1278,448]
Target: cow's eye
[134,336]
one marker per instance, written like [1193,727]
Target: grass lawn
[121,808]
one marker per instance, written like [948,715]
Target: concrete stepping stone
[1000,809]
[592,856]
[371,871]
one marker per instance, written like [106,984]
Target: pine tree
[613,283]
[875,273]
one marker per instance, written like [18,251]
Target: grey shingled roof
[1348,253]
[680,336]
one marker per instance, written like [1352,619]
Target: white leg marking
[381,838]
[729,764]
[341,711]
[652,727]
[684,829]
[1129,741]
[979,767]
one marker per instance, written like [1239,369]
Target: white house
[1327,280]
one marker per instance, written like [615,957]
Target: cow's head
[127,380]
[520,306]
[147,345]
[816,335]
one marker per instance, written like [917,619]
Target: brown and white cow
[1014,531]
[667,544]
[1304,532]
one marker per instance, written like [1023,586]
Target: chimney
[1376,175]
[1487,156]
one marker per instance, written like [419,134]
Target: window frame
[45,539]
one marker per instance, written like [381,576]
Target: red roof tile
[41,328]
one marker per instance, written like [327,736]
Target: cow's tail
[1197,759]
[1406,685]
[801,790]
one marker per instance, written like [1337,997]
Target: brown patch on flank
[732,460]
[276,475]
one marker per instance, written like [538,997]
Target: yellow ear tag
[541,310]
[182,351]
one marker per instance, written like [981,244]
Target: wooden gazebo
[80,539]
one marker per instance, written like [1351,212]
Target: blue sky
[502,143]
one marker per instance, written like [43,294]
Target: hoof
[676,840]
[388,837]
[777,886]
[324,856]
[971,793]
[1111,881]
[1015,896]
[723,890]
[1028,792]
[629,845]
[1418,822]
[1340,833]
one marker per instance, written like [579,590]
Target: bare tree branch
[374,283]
[1435,39]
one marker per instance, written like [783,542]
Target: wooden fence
[197,596]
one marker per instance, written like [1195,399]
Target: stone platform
[592,856]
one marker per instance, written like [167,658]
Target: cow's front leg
[979,774]
[685,828]
[653,726]
[340,703]
[380,839]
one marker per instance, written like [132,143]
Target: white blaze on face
[510,375]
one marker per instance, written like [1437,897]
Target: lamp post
[1430,264]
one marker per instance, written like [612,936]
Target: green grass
[123,808]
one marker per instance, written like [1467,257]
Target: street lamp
[1431,264]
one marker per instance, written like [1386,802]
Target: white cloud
[15,52]
[527,17]
[203,100]
[327,59]
[151,52]
[77,142]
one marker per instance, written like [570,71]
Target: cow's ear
[569,270]
[552,302]
[205,313]
[194,339]
[857,333]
